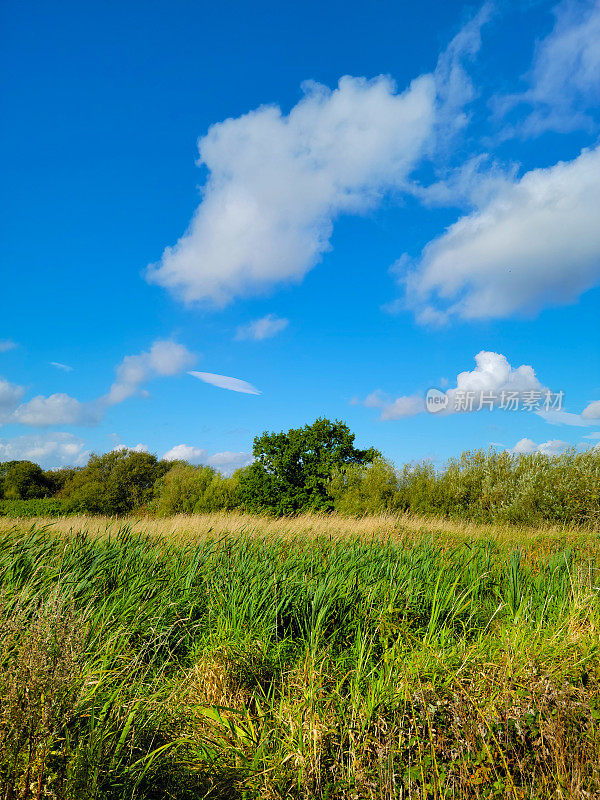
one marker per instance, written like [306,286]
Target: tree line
[315,468]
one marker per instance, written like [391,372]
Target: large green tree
[292,471]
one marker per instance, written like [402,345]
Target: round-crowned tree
[292,471]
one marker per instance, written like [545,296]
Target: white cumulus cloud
[264,328]
[277,182]
[186,452]
[57,409]
[225,382]
[138,448]
[536,243]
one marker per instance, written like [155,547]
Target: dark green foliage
[58,478]
[23,480]
[293,470]
[115,483]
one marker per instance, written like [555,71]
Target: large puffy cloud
[45,449]
[226,462]
[565,75]
[536,243]
[276,183]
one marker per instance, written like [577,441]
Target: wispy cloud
[225,382]
[564,81]
[63,367]
[6,345]
[264,328]
[10,396]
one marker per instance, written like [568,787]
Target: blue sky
[341,206]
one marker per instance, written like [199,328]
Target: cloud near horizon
[492,378]
[552,447]
[48,450]
[225,462]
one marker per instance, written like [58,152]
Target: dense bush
[38,507]
[480,485]
[23,480]
[116,483]
[186,489]
[366,488]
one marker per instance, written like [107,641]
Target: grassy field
[228,656]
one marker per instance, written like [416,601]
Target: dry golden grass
[191,528]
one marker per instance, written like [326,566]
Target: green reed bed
[132,667]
